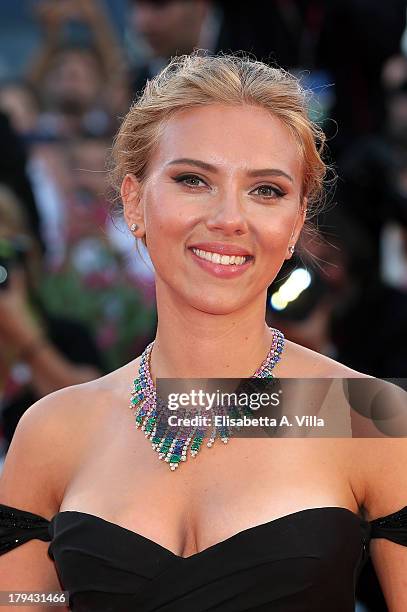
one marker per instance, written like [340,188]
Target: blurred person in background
[97,279]
[39,353]
[36,162]
[90,272]
[282,32]
[168,28]
[372,192]
[371,189]
[356,39]
[79,78]
[93,271]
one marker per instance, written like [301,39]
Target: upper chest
[224,490]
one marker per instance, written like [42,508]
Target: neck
[194,344]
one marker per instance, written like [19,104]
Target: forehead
[232,137]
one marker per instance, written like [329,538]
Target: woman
[216,160]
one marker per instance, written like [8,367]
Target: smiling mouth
[223,260]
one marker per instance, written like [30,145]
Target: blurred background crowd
[70,273]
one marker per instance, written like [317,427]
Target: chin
[216,305]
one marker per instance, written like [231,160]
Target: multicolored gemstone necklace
[172,443]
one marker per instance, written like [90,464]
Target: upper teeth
[225,260]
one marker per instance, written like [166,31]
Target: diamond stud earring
[133,227]
[291,249]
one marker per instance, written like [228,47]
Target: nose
[228,216]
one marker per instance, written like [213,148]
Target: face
[223,183]
[74,81]
[170,27]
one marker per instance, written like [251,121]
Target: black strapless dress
[307,561]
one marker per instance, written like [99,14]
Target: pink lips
[219,270]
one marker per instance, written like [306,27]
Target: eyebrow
[252,173]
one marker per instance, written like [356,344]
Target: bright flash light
[289,291]
[277,301]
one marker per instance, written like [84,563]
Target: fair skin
[224,208]
[209,326]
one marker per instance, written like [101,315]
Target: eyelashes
[272,191]
[184,177]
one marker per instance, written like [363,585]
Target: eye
[191,180]
[269,192]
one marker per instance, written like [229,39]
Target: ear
[301,216]
[132,204]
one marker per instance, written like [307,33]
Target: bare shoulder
[302,362]
[73,409]
[52,436]
[379,447]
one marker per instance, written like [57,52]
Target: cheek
[276,231]
[166,217]
[160,224]
[157,214]
[167,227]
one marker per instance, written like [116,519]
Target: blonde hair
[195,80]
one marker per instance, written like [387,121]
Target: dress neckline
[244,532]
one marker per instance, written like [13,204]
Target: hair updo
[197,80]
